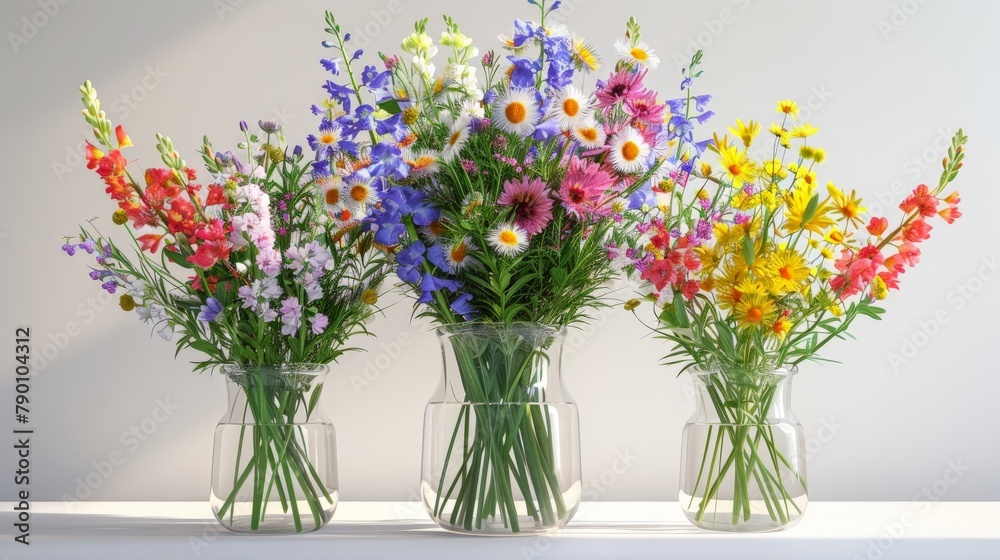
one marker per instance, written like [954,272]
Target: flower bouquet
[498,198]
[253,273]
[752,269]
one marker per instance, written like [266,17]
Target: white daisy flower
[516,112]
[330,187]
[456,140]
[571,108]
[629,151]
[357,194]
[457,254]
[589,134]
[423,162]
[640,53]
[508,239]
[556,29]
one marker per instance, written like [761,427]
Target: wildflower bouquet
[753,268]
[251,272]
[499,198]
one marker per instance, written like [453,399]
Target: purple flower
[291,316]
[341,94]
[69,248]
[269,127]
[319,323]
[387,162]
[89,246]
[701,101]
[332,65]
[462,305]
[243,126]
[523,73]
[409,260]
[741,218]
[210,311]
[97,274]
[110,286]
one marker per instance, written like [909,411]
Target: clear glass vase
[274,469]
[501,450]
[743,453]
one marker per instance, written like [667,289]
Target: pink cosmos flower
[642,107]
[532,205]
[584,189]
[621,86]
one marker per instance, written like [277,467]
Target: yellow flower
[725,234]
[820,155]
[632,304]
[803,131]
[796,204]
[780,328]
[369,296]
[848,206]
[787,270]
[706,169]
[788,107]
[774,170]
[835,310]
[736,166]
[754,310]
[807,152]
[119,217]
[585,55]
[805,179]
[834,236]
[708,255]
[745,132]
[879,289]
[126,302]
[826,252]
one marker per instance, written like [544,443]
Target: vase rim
[783,371]
[473,326]
[304,368]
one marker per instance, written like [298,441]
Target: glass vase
[274,469]
[743,453]
[501,452]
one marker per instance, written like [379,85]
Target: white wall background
[886,81]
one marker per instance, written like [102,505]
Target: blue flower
[701,101]
[387,162]
[523,73]
[409,260]
[332,65]
[462,305]
[368,74]
[435,254]
[681,128]
[560,61]
[523,31]
[704,117]
[342,94]
[546,129]
[393,126]
[357,54]
[210,311]
[380,86]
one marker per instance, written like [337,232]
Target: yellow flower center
[754,315]
[734,170]
[630,151]
[459,252]
[359,193]
[639,54]
[422,162]
[332,196]
[453,139]
[327,138]
[589,134]
[515,112]
[571,107]
[436,228]
[508,237]
[786,272]
[849,211]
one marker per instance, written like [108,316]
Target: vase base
[718,516]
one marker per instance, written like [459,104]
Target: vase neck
[501,363]
[725,398]
[285,394]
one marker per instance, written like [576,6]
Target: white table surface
[830,530]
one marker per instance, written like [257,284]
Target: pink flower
[857,271]
[583,188]
[213,247]
[877,225]
[921,200]
[660,274]
[532,205]
[910,254]
[917,230]
[621,86]
[642,107]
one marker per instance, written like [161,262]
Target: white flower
[422,162]
[457,255]
[516,112]
[416,42]
[556,29]
[136,288]
[424,66]
[639,53]
[357,194]
[570,108]
[167,332]
[629,151]
[456,140]
[457,40]
[589,134]
[508,239]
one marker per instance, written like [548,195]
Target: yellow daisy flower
[745,132]
[754,311]
[848,206]
[736,166]
[796,204]
[787,270]
[788,107]
[803,131]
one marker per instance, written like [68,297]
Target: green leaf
[390,106]
[749,255]
[810,209]
[178,258]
